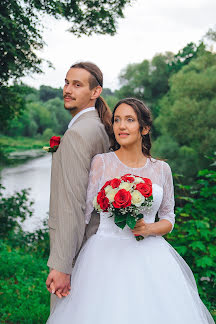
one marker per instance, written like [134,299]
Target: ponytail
[105,114]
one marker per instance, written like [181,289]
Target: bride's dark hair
[144,118]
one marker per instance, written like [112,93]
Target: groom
[87,135]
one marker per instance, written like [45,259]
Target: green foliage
[188,114]
[20,37]
[46,93]
[21,29]
[11,104]
[211,34]
[184,56]
[24,297]
[16,144]
[13,211]
[195,233]
[149,80]
[39,116]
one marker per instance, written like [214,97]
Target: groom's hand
[58,283]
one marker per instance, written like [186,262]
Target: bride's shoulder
[104,156]
[159,164]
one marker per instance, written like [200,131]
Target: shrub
[194,234]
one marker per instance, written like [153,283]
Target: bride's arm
[96,172]
[165,212]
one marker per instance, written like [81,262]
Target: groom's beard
[71,108]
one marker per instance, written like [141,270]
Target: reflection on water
[34,174]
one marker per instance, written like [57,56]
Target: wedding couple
[99,273]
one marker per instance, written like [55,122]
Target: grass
[24,297]
[20,143]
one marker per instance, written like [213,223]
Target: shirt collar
[79,114]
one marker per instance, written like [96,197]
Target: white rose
[126,185]
[107,189]
[111,194]
[46,148]
[137,198]
[138,180]
[95,204]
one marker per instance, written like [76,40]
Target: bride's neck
[132,157]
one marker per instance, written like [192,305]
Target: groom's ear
[96,92]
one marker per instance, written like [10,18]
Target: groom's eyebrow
[75,81]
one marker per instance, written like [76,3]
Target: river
[34,174]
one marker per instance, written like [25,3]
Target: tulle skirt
[122,281]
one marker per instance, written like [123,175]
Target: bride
[117,279]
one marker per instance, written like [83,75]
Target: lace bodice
[108,166]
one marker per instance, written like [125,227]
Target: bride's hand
[141,228]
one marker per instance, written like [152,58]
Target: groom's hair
[96,79]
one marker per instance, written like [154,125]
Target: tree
[211,34]
[184,56]
[20,34]
[47,93]
[188,114]
[20,37]
[147,81]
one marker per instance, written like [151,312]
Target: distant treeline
[179,88]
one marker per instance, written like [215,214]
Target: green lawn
[13,144]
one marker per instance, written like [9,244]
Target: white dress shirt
[79,114]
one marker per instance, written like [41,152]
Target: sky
[149,28]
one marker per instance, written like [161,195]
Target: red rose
[102,200]
[101,195]
[144,189]
[115,183]
[54,141]
[127,178]
[122,199]
[106,184]
[147,181]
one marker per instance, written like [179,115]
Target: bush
[13,211]
[24,297]
[194,234]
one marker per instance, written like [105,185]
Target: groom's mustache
[66,96]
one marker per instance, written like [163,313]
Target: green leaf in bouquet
[131,221]
[139,216]
[120,218]
[121,224]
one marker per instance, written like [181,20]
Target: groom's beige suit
[69,180]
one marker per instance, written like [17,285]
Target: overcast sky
[149,27]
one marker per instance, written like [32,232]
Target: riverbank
[20,143]
[18,150]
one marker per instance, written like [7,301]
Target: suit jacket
[69,180]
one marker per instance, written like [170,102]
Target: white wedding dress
[118,280]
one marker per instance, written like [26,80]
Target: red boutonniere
[54,144]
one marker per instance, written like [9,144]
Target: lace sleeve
[96,172]
[166,210]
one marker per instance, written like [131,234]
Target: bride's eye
[116,120]
[130,120]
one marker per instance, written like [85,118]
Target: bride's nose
[122,125]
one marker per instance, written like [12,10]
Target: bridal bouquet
[124,198]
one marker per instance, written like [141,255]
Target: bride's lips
[123,135]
